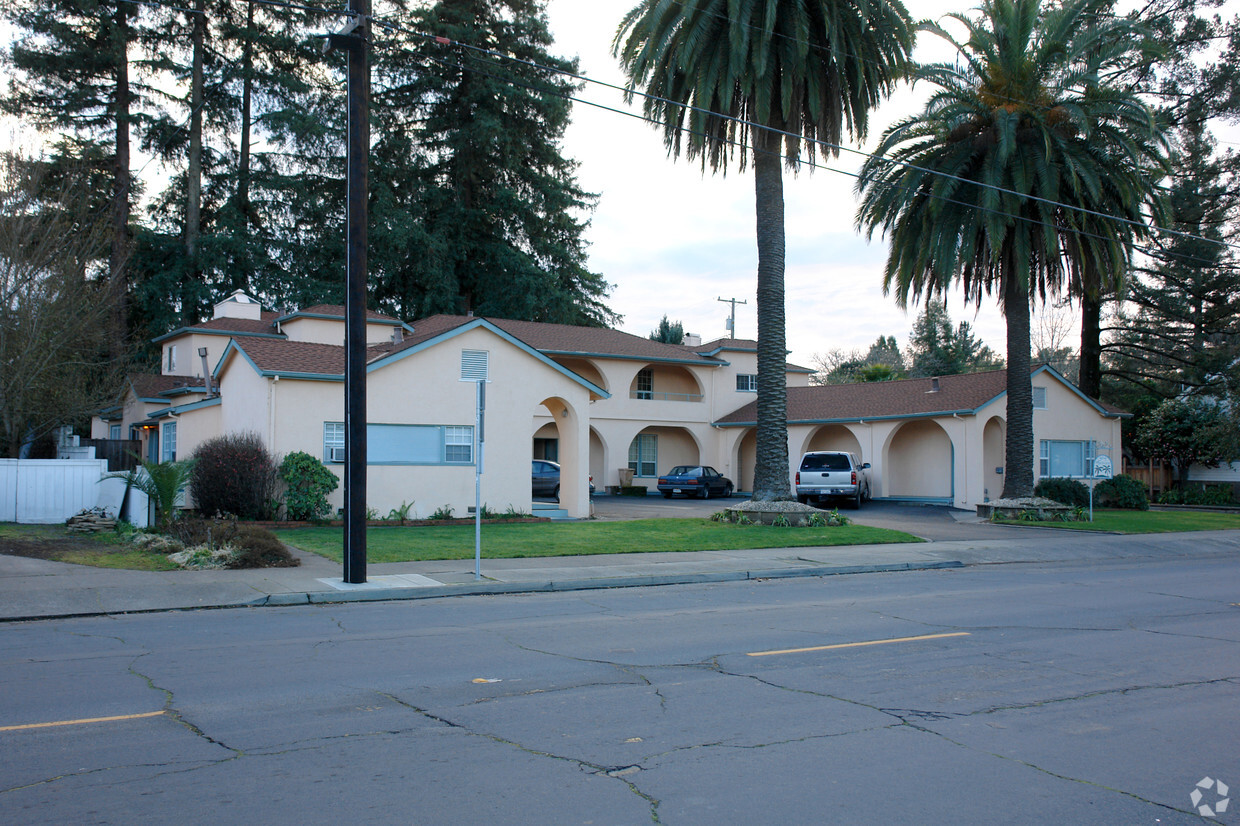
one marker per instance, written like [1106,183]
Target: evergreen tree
[936,348]
[668,332]
[1180,326]
[476,209]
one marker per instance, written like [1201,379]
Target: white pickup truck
[833,474]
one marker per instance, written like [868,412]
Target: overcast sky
[674,240]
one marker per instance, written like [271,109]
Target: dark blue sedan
[695,480]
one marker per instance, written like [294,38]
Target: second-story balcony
[654,395]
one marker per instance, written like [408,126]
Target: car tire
[727,491]
[706,492]
[555,493]
[667,494]
[804,500]
[856,503]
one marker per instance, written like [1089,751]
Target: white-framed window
[170,442]
[644,384]
[405,444]
[474,364]
[114,431]
[644,455]
[747,383]
[333,442]
[172,357]
[1071,459]
[1039,398]
[458,445]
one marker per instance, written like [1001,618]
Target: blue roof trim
[581,354]
[508,337]
[860,419]
[390,322]
[185,408]
[198,331]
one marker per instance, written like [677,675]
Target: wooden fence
[1156,476]
[118,452]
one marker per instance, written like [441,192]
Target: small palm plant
[161,481]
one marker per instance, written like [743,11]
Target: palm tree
[776,75]
[997,182]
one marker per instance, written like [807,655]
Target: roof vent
[934,385]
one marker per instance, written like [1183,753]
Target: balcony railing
[650,395]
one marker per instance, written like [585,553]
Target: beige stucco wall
[331,331]
[291,413]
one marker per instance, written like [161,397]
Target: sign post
[480,438]
[1103,469]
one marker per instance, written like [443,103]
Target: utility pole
[732,318]
[355,39]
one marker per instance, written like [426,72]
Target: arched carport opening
[566,436]
[745,459]
[656,449]
[994,449]
[832,437]
[919,462]
[586,369]
[598,458]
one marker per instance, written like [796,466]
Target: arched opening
[584,368]
[994,448]
[665,383]
[746,459]
[656,449]
[564,441]
[833,437]
[598,458]
[919,462]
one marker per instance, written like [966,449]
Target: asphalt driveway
[937,523]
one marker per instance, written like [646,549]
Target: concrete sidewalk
[38,589]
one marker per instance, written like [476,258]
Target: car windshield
[824,461]
[684,470]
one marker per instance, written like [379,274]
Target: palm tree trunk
[1018,476]
[1090,377]
[771,472]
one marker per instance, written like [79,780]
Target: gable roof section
[962,394]
[338,311]
[155,387]
[264,326]
[568,340]
[740,345]
[438,329]
[326,362]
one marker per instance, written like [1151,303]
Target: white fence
[50,490]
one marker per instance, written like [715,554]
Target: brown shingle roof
[566,339]
[150,385]
[884,399]
[336,311]
[273,355]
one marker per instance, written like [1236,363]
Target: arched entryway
[994,449]
[745,459]
[919,463]
[832,437]
[565,440]
[657,449]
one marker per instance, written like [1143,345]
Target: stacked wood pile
[90,522]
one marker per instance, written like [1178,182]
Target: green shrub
[1197,495]
[1065,491]
[1121,491]
[233,474]
[309,481]
[442,512]
[255,547]
[251,546]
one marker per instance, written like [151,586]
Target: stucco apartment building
[594,400]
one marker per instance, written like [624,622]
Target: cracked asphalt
[1095,692]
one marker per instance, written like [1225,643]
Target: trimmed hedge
[1121,491]
[234,475]
[1066,491]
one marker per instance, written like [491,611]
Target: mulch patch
[51,548]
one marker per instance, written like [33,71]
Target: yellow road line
[857,644]
[82,721]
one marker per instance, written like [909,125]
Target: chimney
[692,340]
[934,385]
[206,374]
[398,335]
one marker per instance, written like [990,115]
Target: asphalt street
[1075,692]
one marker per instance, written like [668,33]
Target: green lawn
[504,541]
[1125,521]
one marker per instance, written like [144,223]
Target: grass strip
[524,540]
[1136,522]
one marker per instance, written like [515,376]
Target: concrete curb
[599,583]
[496,588]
